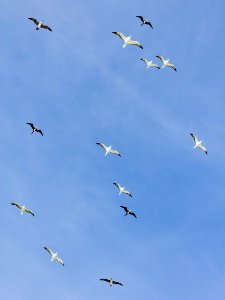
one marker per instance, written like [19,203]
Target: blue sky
[81,87]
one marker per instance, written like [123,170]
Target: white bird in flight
[127,40]
[54,256]
[166,63]
[122,189]
[23,209]
[40,24]
[111,281]
[198,143]
[149,63]
[108,149]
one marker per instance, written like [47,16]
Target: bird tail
[124,45]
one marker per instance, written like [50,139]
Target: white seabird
[166,63]
[122,189]
[54,256]
[111,281]
[23,209]
[198,143]
[127,40]
[149,63]
[40,24]
[108,149]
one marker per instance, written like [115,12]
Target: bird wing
[102,145]
[133,214]
[194,137]
[124,207]
[17,205]
[136,43]
[120,34]
[105,279]
[203,148]
[155,66]
[128,193]
[171,66]
[161,58]
[46,27]
[49,251]
[117,185]
[60,260]
[117,282]
[39,130]
[115,152]
[140,17]
[148,23]
[34,20]
[32,125]
[29,212]
[145,60]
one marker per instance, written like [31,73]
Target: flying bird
[144,21]
[108,149]
[128,212]
[40,24]
[149,63]
[122,189]
[166,63]
[35,129]
[198,143]
[127,40]
[54,256]
[111,281]
[23,209]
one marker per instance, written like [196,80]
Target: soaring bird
[128,212]
[198,143]
[54,256]
[127,40]
[23,209]
[166,63]
[40,24]
[144,21]
[35,129]
[108,149]
[122,189]
[149,63]
[111,281]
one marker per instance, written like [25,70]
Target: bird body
[23,209]
[128,212]
[122,189]
[111,281]
[144,21]
[39,24]
[127,40]
[54,256]
[198,144]
[166,63]
[35,129]
[108,149]
[149,63]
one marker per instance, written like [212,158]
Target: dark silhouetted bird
[35,129]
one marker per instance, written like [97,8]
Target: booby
[127,40]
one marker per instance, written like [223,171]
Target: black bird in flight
[144,21]
[39,24]
[128,212]
[111,281]
[35,129]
